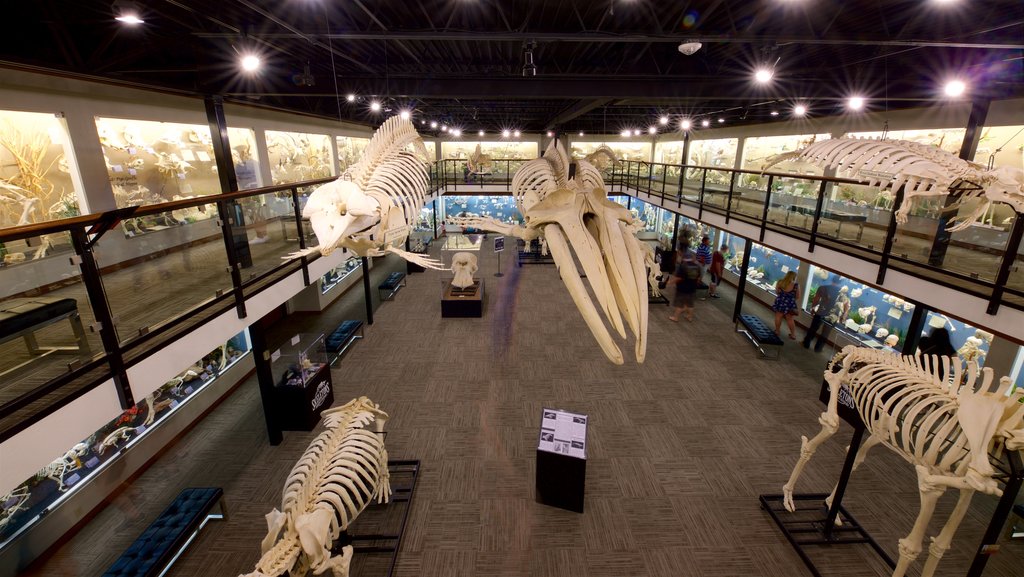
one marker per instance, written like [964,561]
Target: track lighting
[517,134]
[685,124]
[505,133]
[375,106]
[663,120]
[433,124]
[529,68]
[625,133]
[652,130]
[955,88]
[799,110]
[351,98]
[705,123]
[404,114]
[763,75]
[127,12]
[481,133]
[250,63]
[855,103]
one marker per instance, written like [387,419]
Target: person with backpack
[686,279]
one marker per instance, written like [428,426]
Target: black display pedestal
[561,480]
[299,407]
[463,303]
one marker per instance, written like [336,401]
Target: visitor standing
[704,255]
[824,300]
[787,294]
[716,270]
[686,277]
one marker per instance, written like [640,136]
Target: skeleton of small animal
[921,170]
[557,209]
[945,421]
[372,208]
[344,469]
[18,496]
[120,434]
[66,463]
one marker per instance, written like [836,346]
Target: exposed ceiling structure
[601,65]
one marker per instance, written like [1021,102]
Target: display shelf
[298,156]
[335,276]
[864,314]
[330,287]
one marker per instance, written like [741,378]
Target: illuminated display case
[297,362]
[350,149]
[1002,146]
[302,385]
[501,208]
[298,156]
[759,150]
[36,176]
[971,344]
[49,487]
[867,315]
[337,275]
[623,150]
[243,156]
[716,153]
[496,150]
[768,266]
[646,212]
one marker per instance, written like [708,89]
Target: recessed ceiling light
[763,76]
[663,120]
[444,128]
[433,124]
[423,121]
[855,102]
[481,133]
[375,106]
[517,134]
[705,123]
[505,133]
[955,88]
[351,98]
[404,114]
[799,110]
[250,63]
[685,124]
[652,130]
[775,113]
[456,132]
[626,133]
[636,132]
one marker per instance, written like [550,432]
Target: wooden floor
[679,448]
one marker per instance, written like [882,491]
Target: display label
[174,404]
[323,390]
[140,429]
[564,433]
[117,168]
[203,156]
[188,390]
[275,355]
[396,233]
[188,155]
[296,339]
[499,244]
[74,478]
[92,462]
[132,151]
[846,407]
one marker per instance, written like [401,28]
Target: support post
[741,286]
[890,237]
[265,378]
[675,233]
[975,124]
[989,543]
[433,205]
[817,216]
[728,200]
[1009,257]
[299,231]
[767,205]
[367,296]
[700,201]
[915,329]
[844,479]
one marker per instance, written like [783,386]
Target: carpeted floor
[679,448]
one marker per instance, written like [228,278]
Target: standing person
[787,294]
[685,279]
[716,270]
[822,304]
[704,255]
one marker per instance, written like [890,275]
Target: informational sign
[396,233]
[564,433]
[846,407]
[499,243]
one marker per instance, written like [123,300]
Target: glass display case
[719,152]
[669,152]
[767,266]
[865,314]
[501,208]
[971,344]
[297,363]
[335,276]
[623,150]
[50,486]
[1017,372]
[1002,146]
[298,156]
[646,212]
[759,150]
[37,179]
[459,149]
[948,139]
[150,162]
[243,156]
[350,150]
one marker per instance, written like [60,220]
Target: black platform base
[805,527]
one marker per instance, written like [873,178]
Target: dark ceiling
[602,65]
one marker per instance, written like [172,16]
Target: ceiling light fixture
[127,12]
[351,98]
[763,75]
[685,124]
[433,124]
[626,133]
[481,133]
[549,134]
[581,133]
[721,120]
[444,128]
[636,132]
[855,103]
[456,132]
[799,110]
[404,114]
[955,88]
[250,63]
[375,106]
[663,120]
[775,113]
[517,134]
[529,68]
[705,123]
[505,133]
[689,48]
[652,130]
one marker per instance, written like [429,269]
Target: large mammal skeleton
[372,207]
[920,169]
[947,427]
[557,209]
[341,472]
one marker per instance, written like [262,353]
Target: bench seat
[391,285]
[760,334]
[344,335]
[21,317]
[161,543]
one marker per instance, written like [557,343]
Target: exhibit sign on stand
[562,459]
[499,246]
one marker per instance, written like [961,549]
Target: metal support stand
[499,274]
[363,544]
[741,286]
[806,527]
[990,542]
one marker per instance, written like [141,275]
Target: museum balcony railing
[83,299]
[454,175]
[985,260]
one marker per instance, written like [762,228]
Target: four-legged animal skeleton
[943,420]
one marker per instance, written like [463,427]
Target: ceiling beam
[577,109]
[597,37]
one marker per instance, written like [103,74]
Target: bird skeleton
[575,213]
[921,170]
[373,206]
[945,421]
[341,472]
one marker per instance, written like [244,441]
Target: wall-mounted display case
[243,156]
[37,180]
[863,313]
[516,150]
[759,150]
[350,150]
[298,156]
[501,208]
[150,162]
[719,153]
[948,139]
[623,150]
[971,344]
[768,266]
[55,482]
[339,274]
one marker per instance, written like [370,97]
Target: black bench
[21,317]
[1018,532]
[165,539]
[391,285]
[760,334]
[342,337]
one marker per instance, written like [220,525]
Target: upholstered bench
[342,337]
[161,543]
[21,317]
[391,285]
[760,334]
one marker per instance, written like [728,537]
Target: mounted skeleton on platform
[943,420]
[373,206]
[921,170]
[344,469]
[557,208]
